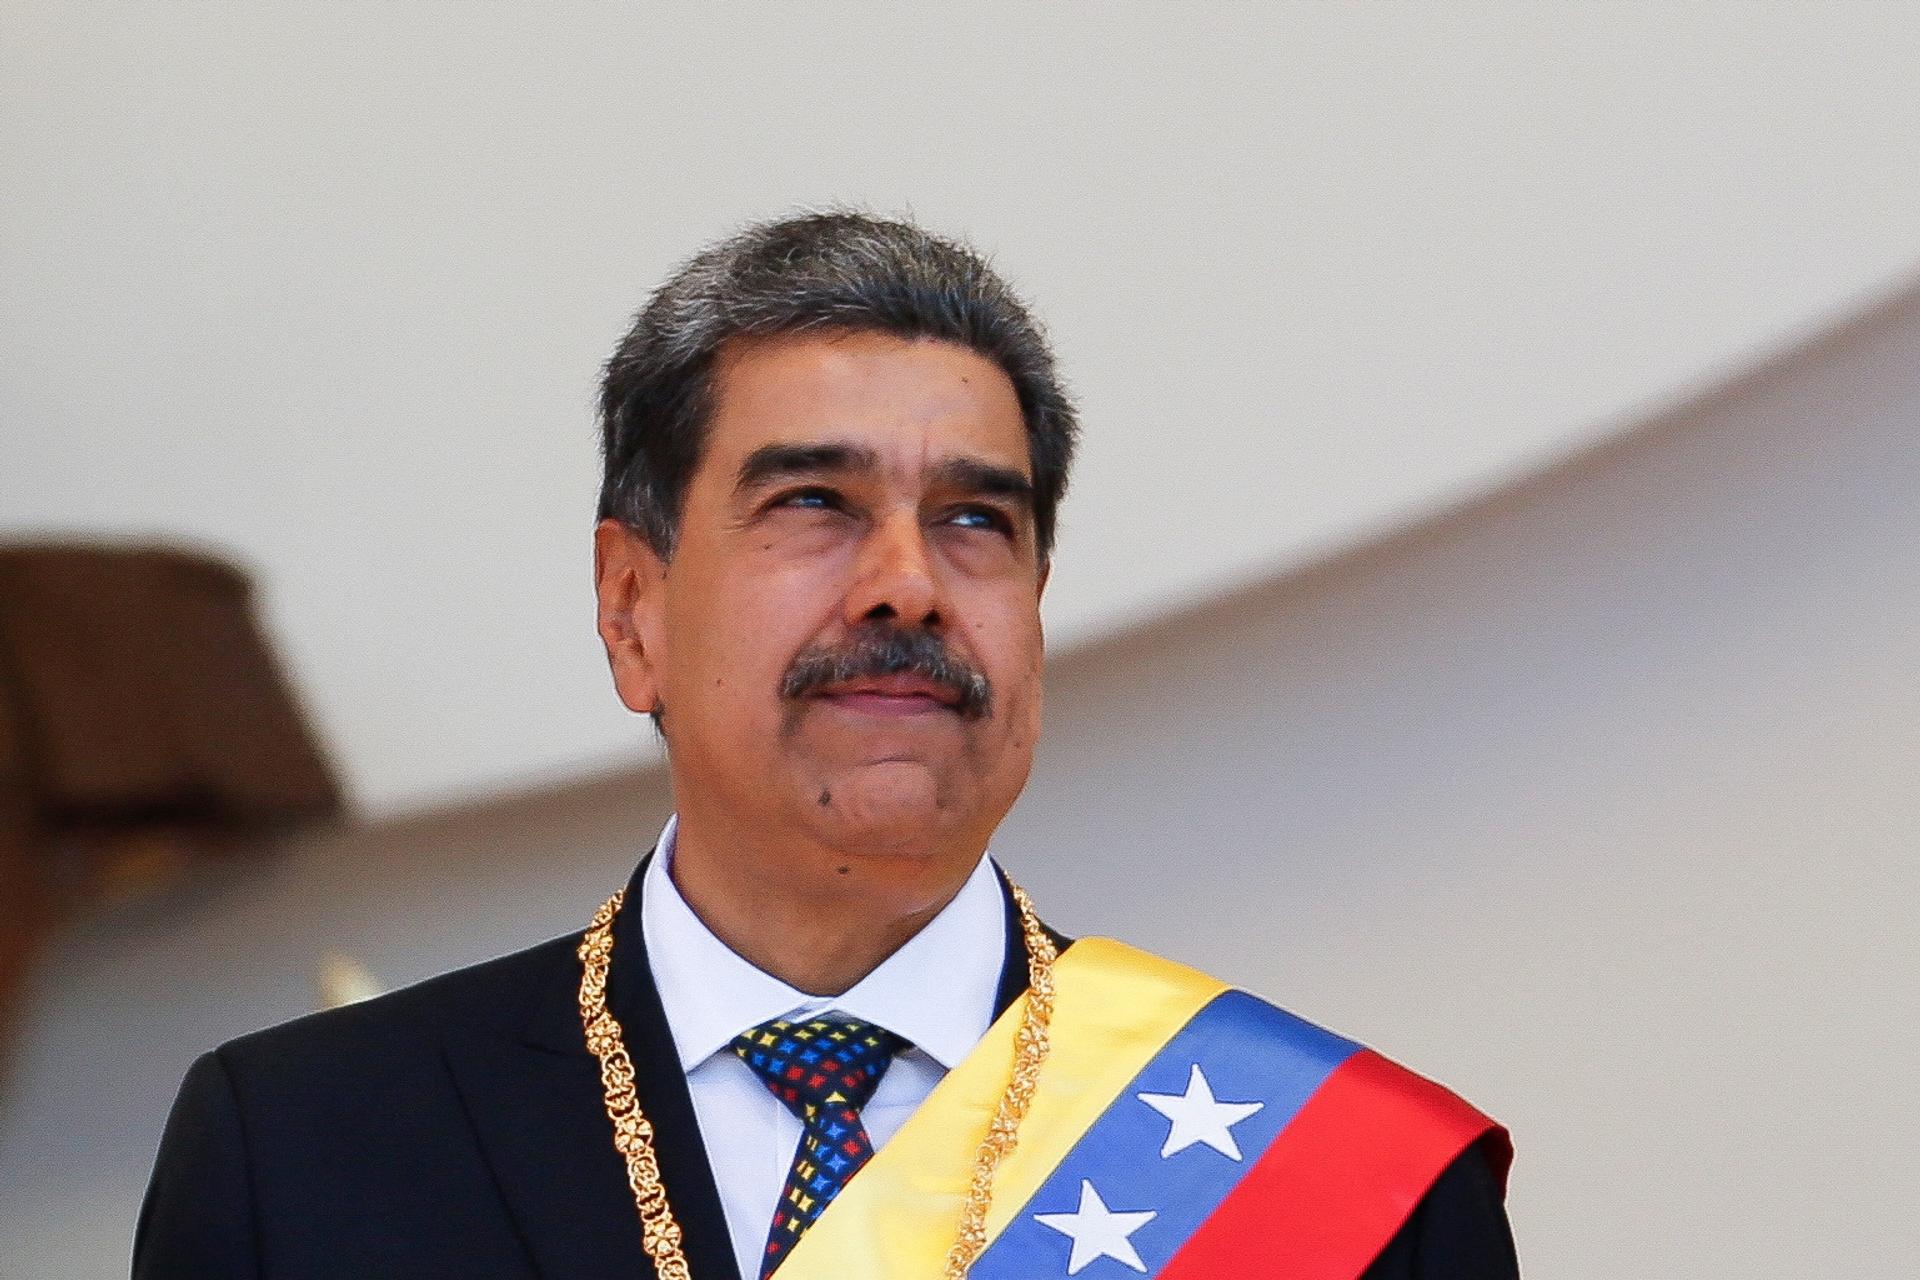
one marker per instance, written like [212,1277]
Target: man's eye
[990,518]
[816,498]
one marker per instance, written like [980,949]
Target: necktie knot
[824,1069]
[819,1067]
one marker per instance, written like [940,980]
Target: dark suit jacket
[455,1129]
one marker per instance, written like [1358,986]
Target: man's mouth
[901,695]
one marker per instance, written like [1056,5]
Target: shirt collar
[936,991]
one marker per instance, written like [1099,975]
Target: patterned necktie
[825,1069]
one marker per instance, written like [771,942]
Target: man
[834,449]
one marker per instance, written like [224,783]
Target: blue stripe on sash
[1248,1051]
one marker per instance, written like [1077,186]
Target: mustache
[888,651]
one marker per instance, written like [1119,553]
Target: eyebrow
[974,476]
[776,461]
[772,462]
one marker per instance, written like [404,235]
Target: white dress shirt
[937,991]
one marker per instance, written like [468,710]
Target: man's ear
[630,582]
[1046,567]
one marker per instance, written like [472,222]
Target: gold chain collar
[633,1132]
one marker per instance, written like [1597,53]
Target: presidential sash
[1182,1129]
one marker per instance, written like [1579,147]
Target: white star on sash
[1097,1231]
[1197,1117]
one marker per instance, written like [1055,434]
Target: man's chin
[886,807]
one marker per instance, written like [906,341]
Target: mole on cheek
[826,797]
[843,870]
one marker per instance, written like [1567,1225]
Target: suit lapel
[1014,978]
[541,1127]
[533,1095]
[635,1002]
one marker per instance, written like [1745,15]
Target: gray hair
[837,270]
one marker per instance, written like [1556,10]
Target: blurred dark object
[22,911]
[143,724]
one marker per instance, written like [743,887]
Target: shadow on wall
[1649,567]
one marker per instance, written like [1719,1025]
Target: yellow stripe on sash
[1114,1008]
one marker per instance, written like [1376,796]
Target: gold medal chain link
[633,1132]
[1003,1132]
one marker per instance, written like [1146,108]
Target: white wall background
[1596,801]
[325,285]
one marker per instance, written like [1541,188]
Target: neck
[818,918]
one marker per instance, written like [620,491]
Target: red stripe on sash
[1340,1180]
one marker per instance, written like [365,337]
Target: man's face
[847,638]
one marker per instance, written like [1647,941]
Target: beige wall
[1597,802]
[325,285]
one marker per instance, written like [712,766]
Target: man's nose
[895,576]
